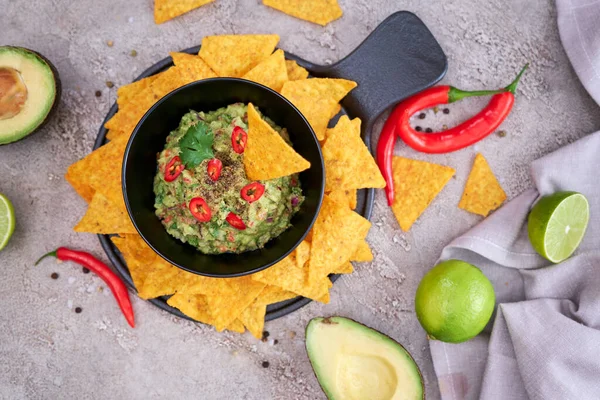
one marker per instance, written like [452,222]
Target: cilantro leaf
[196,145]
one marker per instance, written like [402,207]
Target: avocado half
[355,362]
[29,92]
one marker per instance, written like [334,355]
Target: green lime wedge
[557,224]
[7,221]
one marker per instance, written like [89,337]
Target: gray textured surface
[50,352]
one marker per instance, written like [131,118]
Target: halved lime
[7,221]
[557,224]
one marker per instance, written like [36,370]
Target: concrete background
[49,352]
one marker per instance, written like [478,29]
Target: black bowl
[148,139]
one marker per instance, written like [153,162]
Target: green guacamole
[265,218]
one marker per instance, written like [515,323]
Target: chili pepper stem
[455,94]
[52,253]
[513,86]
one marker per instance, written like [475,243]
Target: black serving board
[398,59]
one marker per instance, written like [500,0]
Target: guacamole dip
[202,194]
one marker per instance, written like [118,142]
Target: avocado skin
[57,85]
[328,320]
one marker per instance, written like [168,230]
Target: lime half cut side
[557,224]
[7,221]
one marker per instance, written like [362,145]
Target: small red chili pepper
[235,221]
[116,285]
[252,191]
[214,168]
[458,137]
[173,169]
[239,137]
[200,210]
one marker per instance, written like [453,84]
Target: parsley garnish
[196,145]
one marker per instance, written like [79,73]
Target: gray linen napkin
[544,342]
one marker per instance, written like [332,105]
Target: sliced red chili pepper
[200,209]
[239,137]
[173,169]
[116,285]
[252,191]
[235,221]
[214,168]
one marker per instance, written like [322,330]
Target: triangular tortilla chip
[337,234]
[345,268]
[113,134]
[236,326]
[192,305]
[76,176]
[103,218]
[165,10]
[253,318]
[344,197]
[274,294]
[125,93]
[348,162]
[294,71]
[267,155]
[302,253]
[271,72]
[235,55]
[363,253]
[320,12]
[416,184]
[317,99]
[483,192]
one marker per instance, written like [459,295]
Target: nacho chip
[194,306]
[267,155]
[286,275]
[128,117]
[302,253]
[274,294]
[317,99]
[126,92]
[236,326]
[113,134]
[483,192]
[345,268]
[294,71]
[235,55]
[338,232]
[344,197]
[363,253]
[320,12]
[416,184]
[104,218]
[165,10]
[253,319]
[271,72]
[152,276]
[336,110]
[76,176]
[348,162]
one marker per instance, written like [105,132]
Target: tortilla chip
[76,176]
[165,10]
[348,162]
[104,218]
[288,276]
[320,12]
[253,319]
[416,184]
[113,134]
[302,253]
[345,268]
[236,326]
[344,197]
[235,55]
[194,306]
[294,71]
[483,192]
[363,253]
[128,117]
[126,93]
[336,110]
[152,275]
[274,294]
[317,99]
[267,155]
[271,72]
[338,232]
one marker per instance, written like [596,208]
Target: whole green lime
[454,301]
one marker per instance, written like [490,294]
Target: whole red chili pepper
[458,137]
[116,285]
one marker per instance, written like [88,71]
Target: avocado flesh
[354,362]
[28,92]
